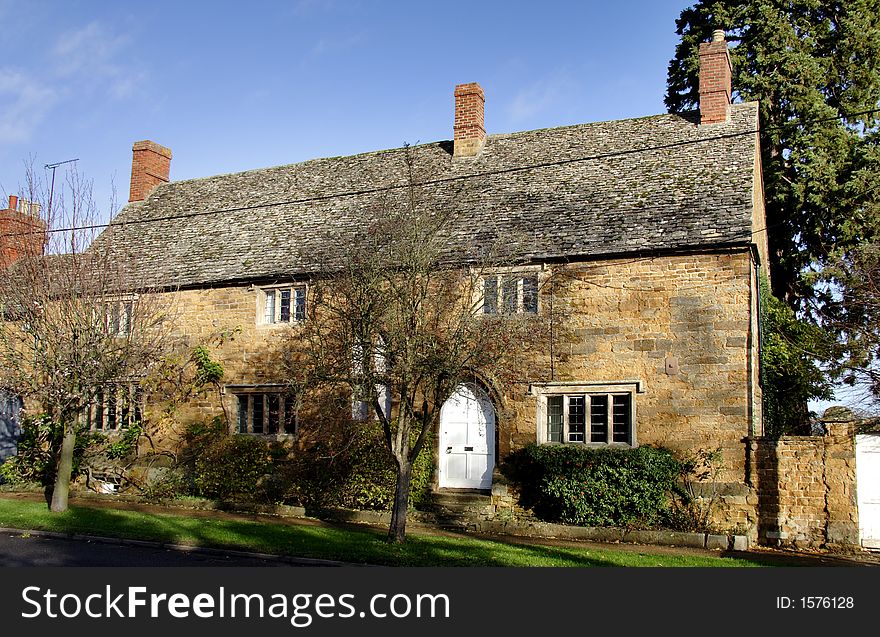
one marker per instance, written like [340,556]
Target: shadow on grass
[364,546]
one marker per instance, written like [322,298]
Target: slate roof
[617,187]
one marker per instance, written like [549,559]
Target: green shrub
[165,484]
[233,468]
[595,487]
[352,469]
[38,448]
[355,471]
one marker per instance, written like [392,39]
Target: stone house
[658,221]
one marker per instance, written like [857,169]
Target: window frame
[126,408]
[548,395]
[276,293]
[502,279]
[362,410]
[117,315]
[286,409]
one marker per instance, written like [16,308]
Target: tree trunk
[63,470]
[397,530]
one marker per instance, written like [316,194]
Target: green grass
[363,546]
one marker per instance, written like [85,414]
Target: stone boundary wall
[806,488]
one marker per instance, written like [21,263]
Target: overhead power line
[442,180]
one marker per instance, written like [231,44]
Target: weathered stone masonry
[619,319]
[806,488]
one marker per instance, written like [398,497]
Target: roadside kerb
[183,548]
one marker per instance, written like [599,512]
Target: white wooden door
[868,488]
[467,439]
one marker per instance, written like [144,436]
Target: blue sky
[232,86]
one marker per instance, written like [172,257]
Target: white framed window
[509,293]
[361,407]
[589,414]
[361,410]
[283,304]
[118,316]
[265,410]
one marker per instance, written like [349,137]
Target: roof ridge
[509,135]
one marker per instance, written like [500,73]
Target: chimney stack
[715,80]
[470,133]
[150,166]
[22,232]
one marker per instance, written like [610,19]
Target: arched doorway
[467,439]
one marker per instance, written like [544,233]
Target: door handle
[448,449]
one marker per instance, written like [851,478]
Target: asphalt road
[24,550]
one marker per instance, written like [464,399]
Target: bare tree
[399,324]
[74,321]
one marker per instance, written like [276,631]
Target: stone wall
[680,326]
[614,320]
[806,488]
[627,320]
[225,320]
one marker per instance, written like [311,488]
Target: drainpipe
[754,306]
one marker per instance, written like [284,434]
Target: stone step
[460,509]
[461,499]
[448,520]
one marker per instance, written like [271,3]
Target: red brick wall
[469,128]
[715,81]
[150,166]
[20,235]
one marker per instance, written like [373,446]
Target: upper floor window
[118,316]
[283,304]
[510,293]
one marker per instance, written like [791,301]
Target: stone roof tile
[583,191]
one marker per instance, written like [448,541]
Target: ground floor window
[115,406]
[265,412]
[587,414]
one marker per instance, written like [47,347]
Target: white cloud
[24,102]
[89,60]
[541,95]
[89,56]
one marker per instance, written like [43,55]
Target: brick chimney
[150,166]
[715,80]
[470,133]
[22,232]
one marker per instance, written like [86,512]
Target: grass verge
[363,546]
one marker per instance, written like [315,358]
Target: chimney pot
[13,202]
[469,130]
[718,35]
